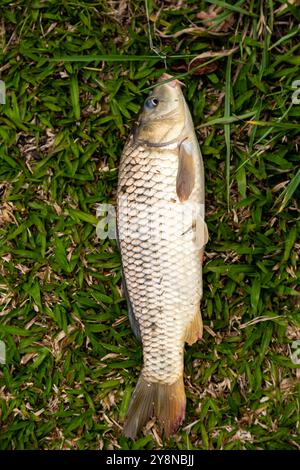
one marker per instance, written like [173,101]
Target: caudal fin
[166,402]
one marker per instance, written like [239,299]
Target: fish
[161,235]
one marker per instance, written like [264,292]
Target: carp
[162,234]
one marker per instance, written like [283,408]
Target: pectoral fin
[186,171]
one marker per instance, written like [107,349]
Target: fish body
[162,234]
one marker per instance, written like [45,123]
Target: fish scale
[162,269]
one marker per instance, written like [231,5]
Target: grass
[71,358]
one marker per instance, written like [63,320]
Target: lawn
[76,74]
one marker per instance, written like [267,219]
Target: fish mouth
[174,83]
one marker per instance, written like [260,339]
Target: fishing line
[151,45]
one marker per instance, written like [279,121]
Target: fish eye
[151,103]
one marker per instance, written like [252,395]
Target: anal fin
[194,330]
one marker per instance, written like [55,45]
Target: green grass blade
[115,58]
[230,7]
[75,96]
[227,127]
[226,120]
[289,190]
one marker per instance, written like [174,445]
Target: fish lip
[173,83]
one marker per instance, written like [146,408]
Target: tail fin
[166,401]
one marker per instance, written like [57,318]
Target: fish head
[163,116]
